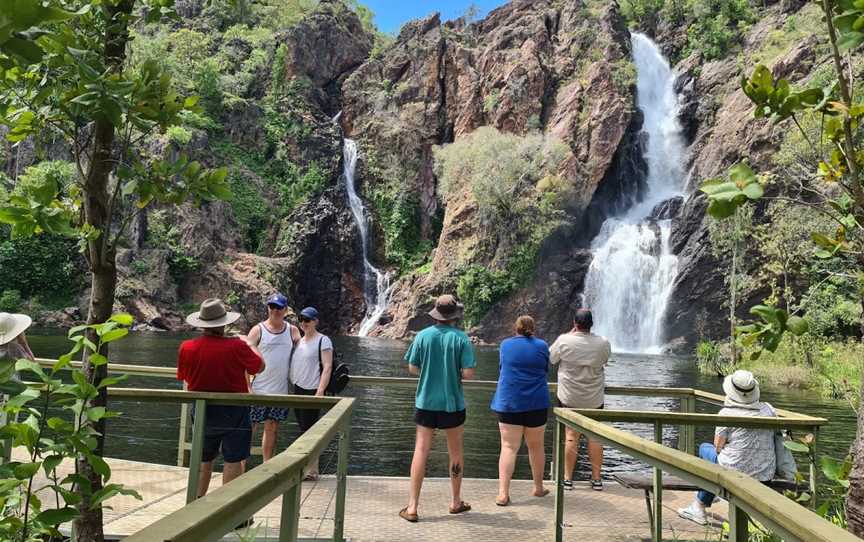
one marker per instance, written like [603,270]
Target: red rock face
[530,65]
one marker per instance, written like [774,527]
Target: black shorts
[306,417]
[529,418]
[438,419]
[228,428]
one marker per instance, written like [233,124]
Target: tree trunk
[101,255]
[855,496]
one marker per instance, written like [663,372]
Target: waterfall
[632,271]
[376,285]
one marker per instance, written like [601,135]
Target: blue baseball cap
[310,313]
[278,299]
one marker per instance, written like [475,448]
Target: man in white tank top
[275,339]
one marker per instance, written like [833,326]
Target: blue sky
[391,14]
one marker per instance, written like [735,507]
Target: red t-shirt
[216,364]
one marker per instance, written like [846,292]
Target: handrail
[216,514]
[682,418]
[745,495]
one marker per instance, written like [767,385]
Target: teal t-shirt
[441,352]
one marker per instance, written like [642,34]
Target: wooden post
[183,435]
[687,433]
[657,535]
[738,528]
[811,458]
[6,455]
[197,448]
[559,481]
[341,484]
[290,520]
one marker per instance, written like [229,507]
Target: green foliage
[163,235]
[712,359]
[624,75]
[501,170]
[57,424]
[179,135]
[248,205]
[713,26]
[10,300]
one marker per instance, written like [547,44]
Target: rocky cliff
[560,68]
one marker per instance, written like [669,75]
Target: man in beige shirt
[581,357]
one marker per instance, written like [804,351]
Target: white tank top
[276,349]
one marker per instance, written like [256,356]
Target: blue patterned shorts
[261,413]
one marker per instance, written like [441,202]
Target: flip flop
[463,507]
[499,503]
[408,517]
[542,493]
[311,477]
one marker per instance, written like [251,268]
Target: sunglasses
[275,307]
[304,319]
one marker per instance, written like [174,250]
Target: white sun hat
[741,387]
[12,325]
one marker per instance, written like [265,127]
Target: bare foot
[542,492]
[502,501]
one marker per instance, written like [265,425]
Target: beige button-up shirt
[581,377]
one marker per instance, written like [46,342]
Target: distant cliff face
[556,67]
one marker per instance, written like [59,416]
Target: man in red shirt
[214,362]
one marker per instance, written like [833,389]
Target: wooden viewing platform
[615,514]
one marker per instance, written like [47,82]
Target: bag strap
[320,365]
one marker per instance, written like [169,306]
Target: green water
[382,436]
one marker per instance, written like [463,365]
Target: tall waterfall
[632,271]
[376,285]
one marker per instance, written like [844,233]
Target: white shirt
[748,450]
[581,377]
[304,367]
[276,349]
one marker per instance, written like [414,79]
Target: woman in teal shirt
[522,404]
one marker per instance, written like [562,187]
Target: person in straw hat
[216,363]
[442,356]
[750,451]
[13,342]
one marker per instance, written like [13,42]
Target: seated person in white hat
[13,343]
[747,450]
[216,363]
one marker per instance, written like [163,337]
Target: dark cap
[310,313]
[583,319]
[278,299]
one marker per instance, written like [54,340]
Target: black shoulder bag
[339,376]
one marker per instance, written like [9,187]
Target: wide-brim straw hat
[212,314]
[12,325]
[446,308]
[741,387]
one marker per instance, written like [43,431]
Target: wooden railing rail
[746,496]
[218,512]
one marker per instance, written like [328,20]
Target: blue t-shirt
[522,383]
[441,352]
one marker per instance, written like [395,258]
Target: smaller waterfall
[376,285]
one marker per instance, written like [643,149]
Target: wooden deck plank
[615,514]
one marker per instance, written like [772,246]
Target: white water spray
[633,269]
[376,285]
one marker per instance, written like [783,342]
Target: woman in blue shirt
[522,404]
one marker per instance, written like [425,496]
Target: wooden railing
[746,496]
[218,512]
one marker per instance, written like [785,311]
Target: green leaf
[57,516]
[25,50]
[754,190]
[113,335]
[96,413]
[97,359]
[24,471]
[797,325]
[123,319]
[99,465]
[795,446]
[51,462]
